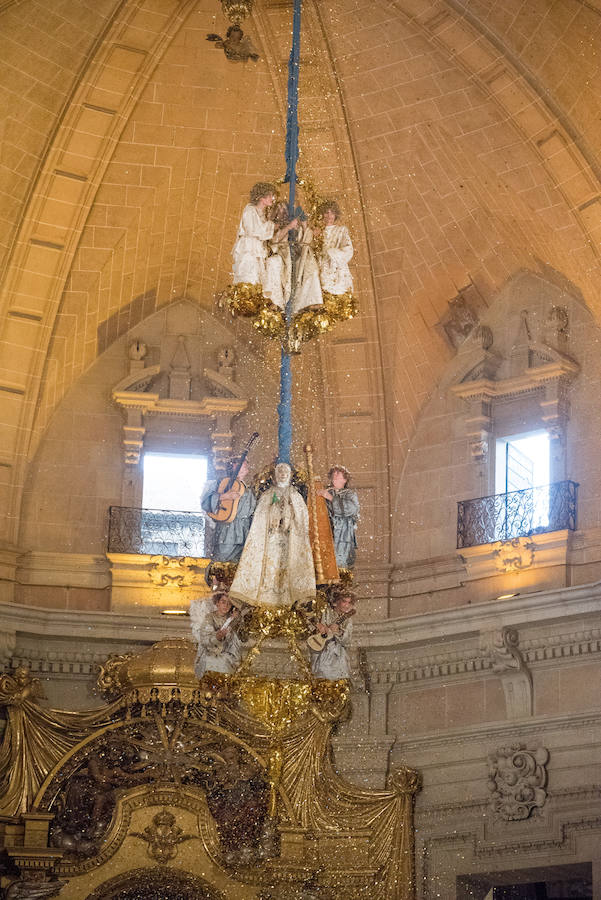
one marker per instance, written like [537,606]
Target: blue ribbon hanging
[291,153]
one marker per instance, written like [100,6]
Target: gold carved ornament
[284,723]
[35,739]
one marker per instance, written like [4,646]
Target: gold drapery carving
[164,738]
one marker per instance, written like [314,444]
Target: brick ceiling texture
[463,139]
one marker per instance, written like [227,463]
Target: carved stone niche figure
[462,315]
[517,781]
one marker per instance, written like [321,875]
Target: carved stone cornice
[486,658]
[500,732]
[508,388]
[458,621]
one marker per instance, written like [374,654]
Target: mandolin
[227,510]
[318,641]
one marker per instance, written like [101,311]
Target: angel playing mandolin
[231,504]
[216,628]
[329,644]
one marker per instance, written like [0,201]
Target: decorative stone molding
[9,555]
[469,660]
[542,369]
[517,781]
[462,315]
[218,408]
[502,647]
[514,555]
[143,581]
[505,557]
[507,661]
[174,570]
[8,643]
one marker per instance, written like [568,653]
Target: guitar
[227,509]
[318,641]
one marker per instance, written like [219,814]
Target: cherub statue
[252,248]
[336,250]
[236,45]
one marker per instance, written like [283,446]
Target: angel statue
[252,248]
[235,45]
[336,252]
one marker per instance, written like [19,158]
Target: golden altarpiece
[223,788]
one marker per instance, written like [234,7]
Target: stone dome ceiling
[463,140]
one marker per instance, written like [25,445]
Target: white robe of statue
[308,285]
[251,250]
[276,566]
[337,250]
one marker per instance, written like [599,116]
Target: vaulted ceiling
[463,139]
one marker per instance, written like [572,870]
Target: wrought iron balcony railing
[159,532]
[503,517]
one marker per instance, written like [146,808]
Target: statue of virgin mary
[276,566]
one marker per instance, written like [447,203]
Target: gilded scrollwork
[163,837]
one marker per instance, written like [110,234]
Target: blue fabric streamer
[291,153]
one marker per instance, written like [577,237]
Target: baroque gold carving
[163,837]
[257,772]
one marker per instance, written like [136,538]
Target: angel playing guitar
[329,645]
[231,504]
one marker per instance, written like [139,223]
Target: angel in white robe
[336,252]
[214,620]
[308,286]
[250,252]
[276,566]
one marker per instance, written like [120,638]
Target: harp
[320,530]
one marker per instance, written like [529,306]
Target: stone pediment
[224,400]
[533,367]
[535,376]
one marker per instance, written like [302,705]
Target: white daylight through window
[173,481]
[523,464]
